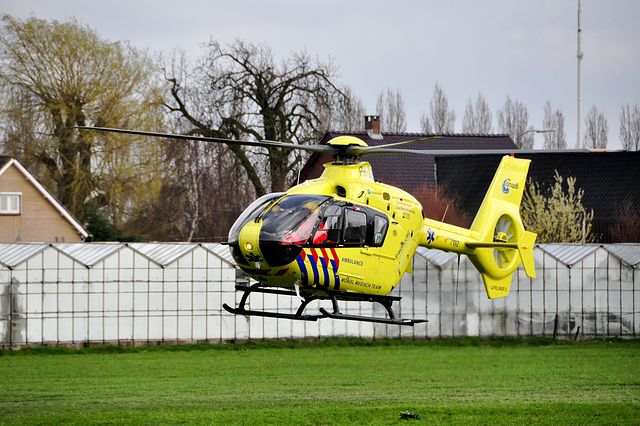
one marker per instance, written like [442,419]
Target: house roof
[609,179]
[628,253]
[409,172]
[438,258]
[7,162]
[567,253]
[88,253]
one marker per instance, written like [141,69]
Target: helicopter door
[350,226]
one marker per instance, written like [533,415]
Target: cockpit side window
[380,225]
[355,228]
[329,230]
[343,225]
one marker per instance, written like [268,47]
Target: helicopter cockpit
[291,222]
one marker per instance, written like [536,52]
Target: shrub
[556,215]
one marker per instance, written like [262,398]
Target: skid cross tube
[385,301]
[240,310]
[333,296]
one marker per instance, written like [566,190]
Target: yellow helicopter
[344,236]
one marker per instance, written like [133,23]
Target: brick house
[29,212]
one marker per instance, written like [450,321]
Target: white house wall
[83,294]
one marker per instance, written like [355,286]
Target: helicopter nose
[249,247]
[252,252]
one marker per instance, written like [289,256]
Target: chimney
[372,126]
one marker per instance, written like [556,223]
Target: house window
[10,202]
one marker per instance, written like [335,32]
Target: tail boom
[497,242]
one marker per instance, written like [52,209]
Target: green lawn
[335,382]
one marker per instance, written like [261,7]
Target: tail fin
[503,243]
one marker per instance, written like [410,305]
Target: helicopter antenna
[457,282]
[445,213]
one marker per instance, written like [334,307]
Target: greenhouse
[80,294]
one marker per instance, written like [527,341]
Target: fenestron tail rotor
[504,232]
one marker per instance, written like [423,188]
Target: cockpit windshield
[291,220]
[253,211]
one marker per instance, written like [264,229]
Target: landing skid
[334,296]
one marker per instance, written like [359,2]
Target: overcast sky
[524,49]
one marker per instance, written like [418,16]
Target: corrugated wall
[112,293]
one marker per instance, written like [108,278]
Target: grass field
[333,382]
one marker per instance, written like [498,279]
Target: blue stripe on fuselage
[325,272]
[314,267]
[335,274]
[303,270]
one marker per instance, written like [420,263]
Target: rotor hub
[502,237]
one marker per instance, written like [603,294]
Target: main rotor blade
[402,143]
[350,150]
[383,149]
[375,151]
[313,148]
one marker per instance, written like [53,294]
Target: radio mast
[579,144]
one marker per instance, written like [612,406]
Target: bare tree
[347,113]
[392,112]
[206,185]
[596,129]
[477,117]
[630,127]
[25,131]
[554,120]
[513,119]
[627,228]
[441,119]
[244,93]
